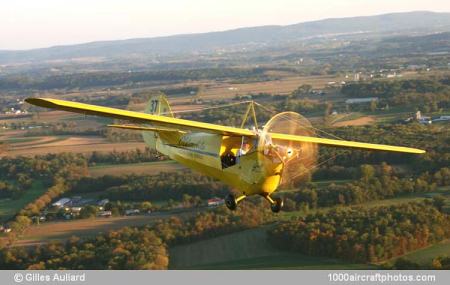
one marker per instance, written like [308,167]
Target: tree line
[132,248]
[426,94]
[163,186]
[364,234]
[103,78]
[374,183]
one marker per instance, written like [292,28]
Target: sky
[27,24]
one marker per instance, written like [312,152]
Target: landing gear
[276,207]
[275,204]
[231,201]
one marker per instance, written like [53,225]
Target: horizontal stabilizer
[139,128]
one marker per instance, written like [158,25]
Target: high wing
[165,123]
[137,117]
[343,143]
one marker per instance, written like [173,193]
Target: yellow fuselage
[252,174]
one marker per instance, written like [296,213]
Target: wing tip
[40,102]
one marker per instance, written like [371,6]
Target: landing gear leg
[275,204]
[231,201]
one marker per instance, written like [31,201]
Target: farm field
[377,203]
[52,117]
[361,121]
[9,208]
[59,144]
[62,230]
[426,255]
[247,249]
[283,86]
[149,168]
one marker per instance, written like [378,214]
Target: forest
[364,234]
[132,248]
[428,94]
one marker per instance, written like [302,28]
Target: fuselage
[250,173]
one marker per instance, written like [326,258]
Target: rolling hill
[250,38]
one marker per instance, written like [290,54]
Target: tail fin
[158,105]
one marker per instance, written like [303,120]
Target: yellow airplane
[252,161]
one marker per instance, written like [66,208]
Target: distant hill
[254,37]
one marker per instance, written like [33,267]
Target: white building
[61,202]
[361,100]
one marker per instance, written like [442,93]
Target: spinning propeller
[298,158]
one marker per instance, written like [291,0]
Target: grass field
[9,208]
[247,250]
[285,85]
[416,197]
[360,121]
[426,255]
[59,144]
[61,230]
[135,168]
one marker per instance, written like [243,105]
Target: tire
[276,207]
[230,202]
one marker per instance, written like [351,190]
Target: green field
[425,256]
[135,168]
[9,207]
[285,261]
[20,139]
[247,249]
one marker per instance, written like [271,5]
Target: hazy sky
[26,24]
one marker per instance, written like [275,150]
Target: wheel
[276,207]
[230,202]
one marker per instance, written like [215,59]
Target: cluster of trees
[133,248]
[15,188]
[375,183]
[97,79]
[163,186]
[127,248]
[364,234]
[59,129]
[438,263]
[55,171]
[44,167]
[121,157]
[388,89]
[119,135]
[434,139]
[167,186]
[428,94]
[208,224]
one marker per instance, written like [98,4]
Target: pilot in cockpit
[245,148]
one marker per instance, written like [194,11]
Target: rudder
[157,105]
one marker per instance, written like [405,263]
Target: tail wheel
[230,202]
[276,207]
